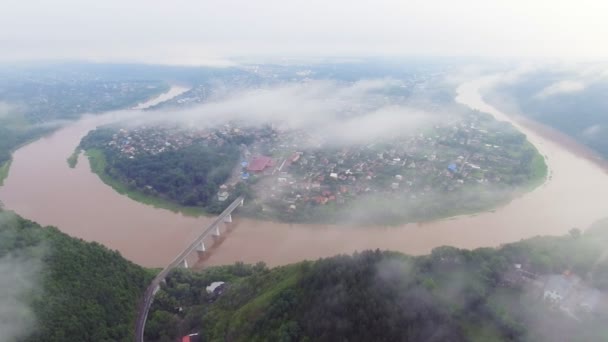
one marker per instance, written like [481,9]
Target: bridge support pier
[216,233]
[199,247]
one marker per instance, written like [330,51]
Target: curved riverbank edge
[526,124]
[148,102]
[97,163]
[575,194]
[566,141]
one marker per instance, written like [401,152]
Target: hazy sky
[203,31]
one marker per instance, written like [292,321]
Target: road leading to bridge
[148,298]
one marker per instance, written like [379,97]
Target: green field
[98,164]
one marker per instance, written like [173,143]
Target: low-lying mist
[341,113]
[20,279]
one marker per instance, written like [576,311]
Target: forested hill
[57,288]
[451,295]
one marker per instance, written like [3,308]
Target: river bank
[575,194]
[550,209]
[97,162]
[4,168]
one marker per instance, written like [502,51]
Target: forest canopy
[59,288]
[450,295]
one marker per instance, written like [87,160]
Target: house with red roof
[259,164]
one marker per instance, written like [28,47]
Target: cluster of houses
[155,139]
[569,293]
[455,154]
[294,167]
[566,292]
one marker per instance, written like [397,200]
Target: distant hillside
[451,295]
[33,103]
[574,105]
[57,288]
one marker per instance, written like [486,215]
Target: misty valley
[376,199]
[541,289]
[457,162]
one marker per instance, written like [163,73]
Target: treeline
[75,290]
[449,295]
[190,176]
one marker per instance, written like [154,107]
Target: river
[43,188]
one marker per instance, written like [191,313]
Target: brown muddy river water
[42,187]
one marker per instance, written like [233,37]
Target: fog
[570,79]
[213,33]
[20,278]
[8,109]
[331,114]
[336,113]
[561,87]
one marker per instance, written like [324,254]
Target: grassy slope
[288,278]
[4,168]
[98,164]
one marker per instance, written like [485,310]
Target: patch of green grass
[98,164]
[73,158]
[4,168]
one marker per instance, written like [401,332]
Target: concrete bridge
[181,260]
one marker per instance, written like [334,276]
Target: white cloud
[20,278]
[201,31]
[336,112]
[561,87]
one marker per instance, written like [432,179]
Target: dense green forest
[189,176]
[58,288]
[449,295]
